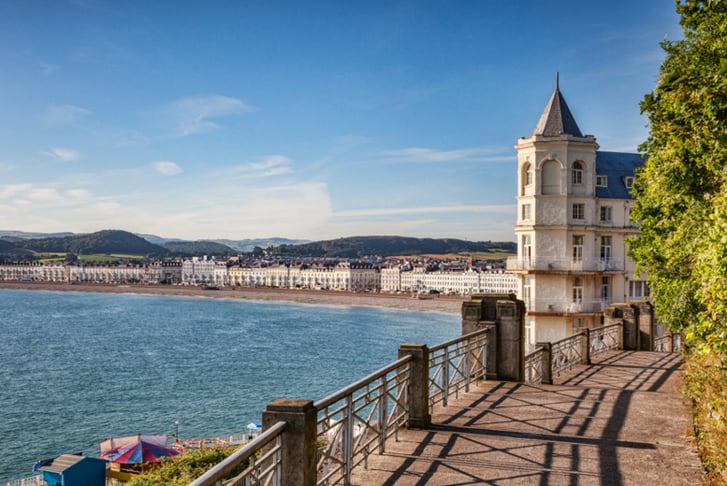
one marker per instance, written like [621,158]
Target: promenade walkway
[620,421]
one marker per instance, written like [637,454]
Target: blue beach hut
[73,470]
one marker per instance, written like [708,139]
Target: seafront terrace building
[340,276]
[469,281]
[573,220]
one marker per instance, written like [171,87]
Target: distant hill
[198,248]
[360,246]
[13,236]
[101,242]
[241,246]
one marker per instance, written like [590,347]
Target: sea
[76,368]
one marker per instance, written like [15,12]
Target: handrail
[224,468]
[464,337]
[324,402]
[451,370]
[533,366]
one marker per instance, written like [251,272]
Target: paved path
[620,421]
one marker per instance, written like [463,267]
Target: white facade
[573,219]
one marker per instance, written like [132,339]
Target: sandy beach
[451,305]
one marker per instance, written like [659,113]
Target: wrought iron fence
[534,367]
[263,457]
[454,364]
[356,421]
[606,338]
[566,353]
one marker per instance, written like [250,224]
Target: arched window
[526,177]
[577,173]
[551,177]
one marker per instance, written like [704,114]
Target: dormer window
[577,173]
[629,182]
[601,181]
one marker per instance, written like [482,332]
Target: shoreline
[443,304]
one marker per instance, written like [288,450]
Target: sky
[305,120]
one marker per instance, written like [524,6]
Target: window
[550,177]
[601,181]
[606,247]
[638,289]
[528,174]
[579,211]
[606,214]
[577,248]
[577,290]
[526,212]
[606,289]
[577,173]
[629,181]
[527,248]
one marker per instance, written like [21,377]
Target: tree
[681,190]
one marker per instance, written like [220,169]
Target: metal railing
[533,366]
[263,458]
[566,353]
[564,264]
[605,338]
[454,364]
[356,421]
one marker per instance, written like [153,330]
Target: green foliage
[680,190]
[361,246]
[182,470]
[705,382]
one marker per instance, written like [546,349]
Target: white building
[573,218]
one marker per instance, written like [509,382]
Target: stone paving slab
[621,421]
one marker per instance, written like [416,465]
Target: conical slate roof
[556,118]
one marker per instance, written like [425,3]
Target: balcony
[566,306]
[564,264]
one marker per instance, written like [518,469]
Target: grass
[705,381]
[181,470]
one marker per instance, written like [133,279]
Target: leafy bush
[181,470]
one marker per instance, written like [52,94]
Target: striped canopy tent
[138,453]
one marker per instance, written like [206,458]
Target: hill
[197,248]
[360,246]
[101,242]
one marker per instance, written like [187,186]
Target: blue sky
[308,120]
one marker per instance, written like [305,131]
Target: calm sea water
[76,368]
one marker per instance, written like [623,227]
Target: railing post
[621,336]
[491,353]
[418,395]
[586,347]
[547,366]
[669,345]
[299,453]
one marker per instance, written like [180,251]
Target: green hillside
[101,242]
[360,246]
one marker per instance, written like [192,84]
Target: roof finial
[557,75]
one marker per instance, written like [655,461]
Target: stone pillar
[504,314]
[631,325]
[510,321]
[546,366]
[586,347]
[418,392]
[646,326]
[299,452]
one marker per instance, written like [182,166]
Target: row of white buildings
[343,276]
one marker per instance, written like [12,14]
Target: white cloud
[48,68]
[64,154]
[474,208]
[272,165]
[195,114]
[166,167]
[428,155]
[64,114]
